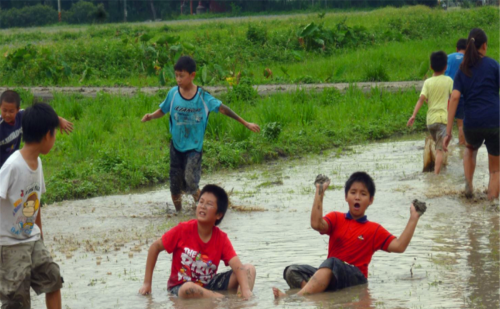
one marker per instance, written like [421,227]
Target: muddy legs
[317,284]
[469,168]
[494,185]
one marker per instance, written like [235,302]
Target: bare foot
[469,192]
[278,294]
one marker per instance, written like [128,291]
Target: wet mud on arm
[400,244]
[317,222]
[241,275]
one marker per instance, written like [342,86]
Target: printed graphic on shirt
[26,212]
[196,268]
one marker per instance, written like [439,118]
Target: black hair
[477,37]
[362,177]
[462,44]
[10,96]
[38,119]
[185,63]
[439,60]
[222,199]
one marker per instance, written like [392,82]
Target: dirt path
[46,93]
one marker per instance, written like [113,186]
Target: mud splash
[101,244]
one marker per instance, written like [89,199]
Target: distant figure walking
[478,80]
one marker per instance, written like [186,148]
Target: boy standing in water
[189,107]
[436,91]
[25,261]
[10,124]
[197,247]
[353,241]
[454,61]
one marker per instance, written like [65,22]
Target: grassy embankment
[385,44]
[111,151]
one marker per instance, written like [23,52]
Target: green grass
[389,43]
[112,151]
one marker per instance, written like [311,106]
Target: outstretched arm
[241,274]
[153,252]
[228,112]
[317,222]
[65,125]
[420,102]
[452,110]
[157,114]
[400,244]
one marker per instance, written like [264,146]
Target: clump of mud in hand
[321,179]
[420,207]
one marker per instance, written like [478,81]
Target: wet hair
[222,199]
[10,96]
[362,177]
[477,37]
[38,119]
[462,44]
[185,63]
[439,60]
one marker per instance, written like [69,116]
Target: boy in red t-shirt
[353,241]
[197,246]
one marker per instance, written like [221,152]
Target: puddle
[101,244]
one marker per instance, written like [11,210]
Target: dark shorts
[489,136]
[185,171]
[438,133]
[219,282]
[460,109]
[23,266]
[346,275]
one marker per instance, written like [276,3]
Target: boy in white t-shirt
[436,91]
[26,262]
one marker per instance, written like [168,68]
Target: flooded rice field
[101,244]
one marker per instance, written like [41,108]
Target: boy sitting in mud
[189,107]
[436,91]
[26,262]
[197,247]
[353,240]
[10,124]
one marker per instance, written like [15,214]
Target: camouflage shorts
[23,266]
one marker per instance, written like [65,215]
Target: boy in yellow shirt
[436,91]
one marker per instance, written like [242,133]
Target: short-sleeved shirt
[480,92]
[192,259]
[437,90]
[10,137]
[189,117]
[21,190]
[454,61]
[355,241]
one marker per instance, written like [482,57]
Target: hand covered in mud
[322,182]
[145,289]
[253,127]
[146,117]
[411,121]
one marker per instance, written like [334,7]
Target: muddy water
[452,262]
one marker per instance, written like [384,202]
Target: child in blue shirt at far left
[189,107]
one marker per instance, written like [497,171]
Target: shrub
[376,73]
[256,34]
[84,12]
[271,131]
[28,16]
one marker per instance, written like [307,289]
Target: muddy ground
[46,93]
[452,262]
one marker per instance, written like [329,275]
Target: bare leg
[438,162]
[461,136]
[177,199]
[494,185]
[317,284]
[469,168]
[53,300]
[191,290]
[233,281]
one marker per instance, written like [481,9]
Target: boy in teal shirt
[189,107]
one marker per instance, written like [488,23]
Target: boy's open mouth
[357,206]
[202,213]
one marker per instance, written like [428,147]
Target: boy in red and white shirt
[353,241]
[197,247]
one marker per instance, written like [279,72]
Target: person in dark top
[10,124]
[478,80]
